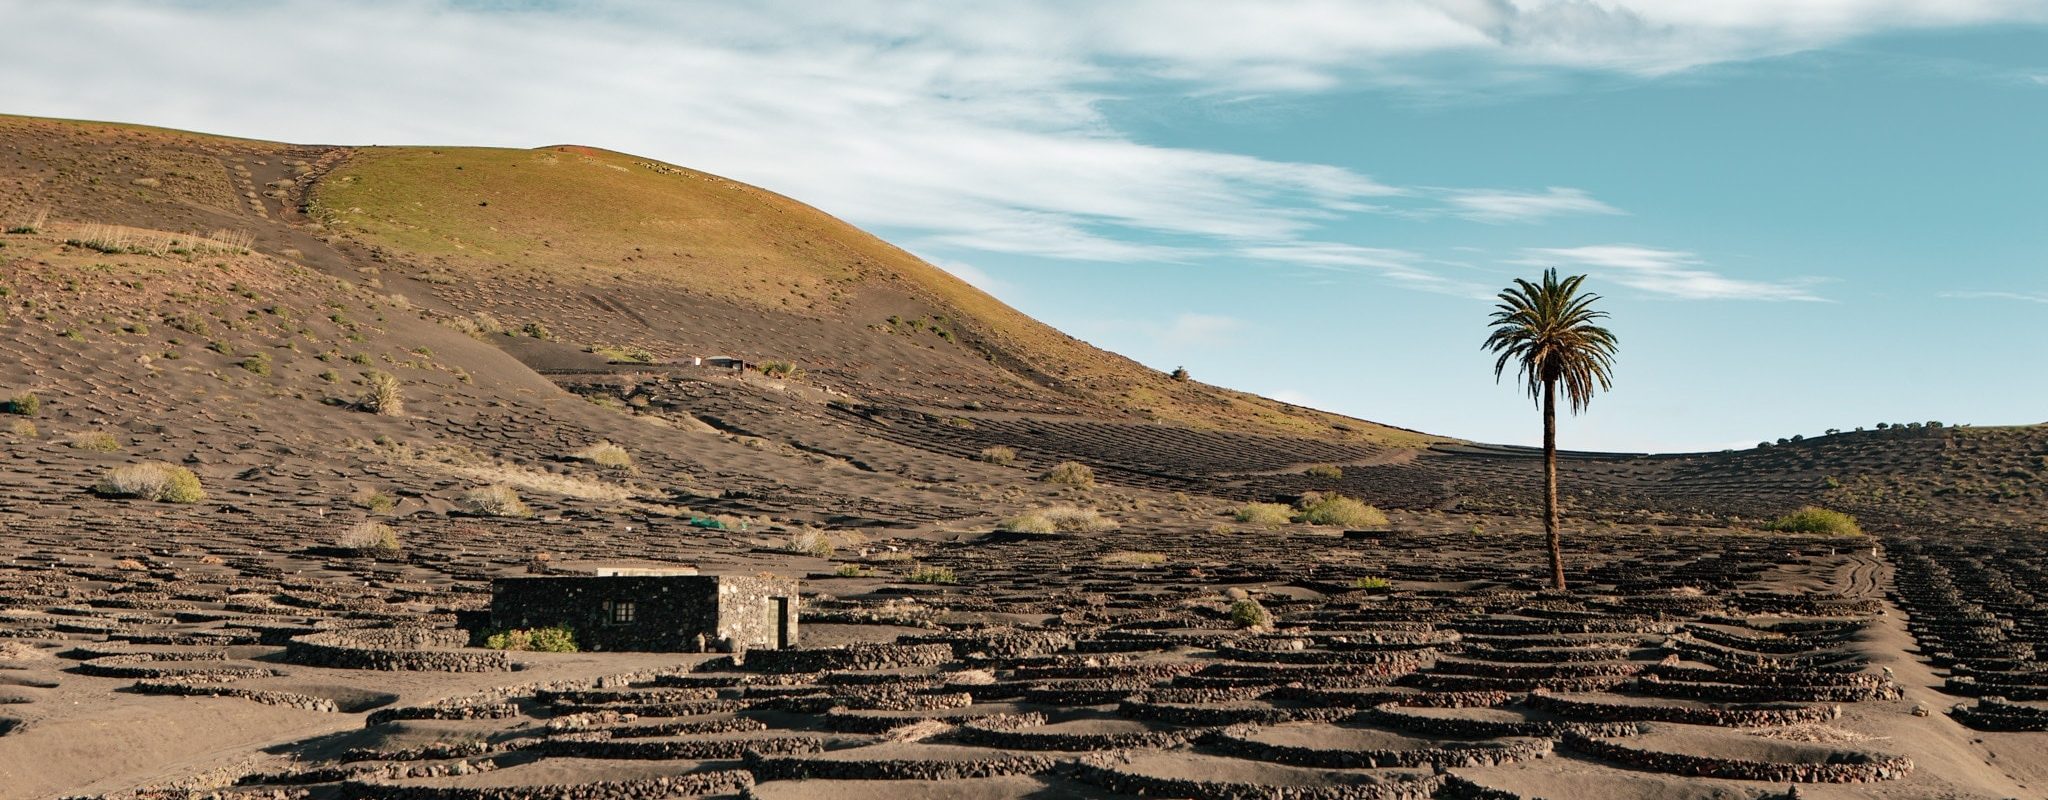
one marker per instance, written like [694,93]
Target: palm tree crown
[1548,330]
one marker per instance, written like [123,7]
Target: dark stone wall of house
[671,613]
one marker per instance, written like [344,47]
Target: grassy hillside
[643,233]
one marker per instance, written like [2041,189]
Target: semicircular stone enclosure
[1403,665]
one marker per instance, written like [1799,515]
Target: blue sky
[1802,215]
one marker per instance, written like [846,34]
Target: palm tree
[1548,330]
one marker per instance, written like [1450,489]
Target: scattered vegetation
[852,571]
[94,441]
[154,480]
[929,574]
[1249,614]
[811,542]
[23,429]
[622,355]
[1324,471]
[1814,519]
[537,640]
[1336,509]
[495,501]
[1059,519]
[999,455]
[1265,515]
[782,369]
[26,404]
[369,536]
[1372,583]
[1070,473]
[537,331]
[382,395]
[375,502]
[1135,559]
[605,454]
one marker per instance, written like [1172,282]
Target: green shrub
[495,501]
[781,369]
[1372,583]
[998,455]
[258,364]
[537,331]
[26,404]
[1325,471]
[1070,473]
[1814,519]
[95,441]
[154,480]
[375,502]
[925,574]
[1265,515]
[1337,509]
[540,640]
[1247,613]
[852,571]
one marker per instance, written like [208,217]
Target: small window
[622,612]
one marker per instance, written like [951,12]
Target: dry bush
[1129,558]
[94,441]
[1270,516]
[1325,471]
[1074,519]
[29,221]
[382,395]
[23,429]
[605,454]
[27,404]
[495,501]
[1070,473]
[153,480]
[782,369]
[930,574]
[999,455]
[368,536]
[811,542]
[1336,509]
[1027,523]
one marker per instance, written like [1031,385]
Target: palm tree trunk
[1550,484]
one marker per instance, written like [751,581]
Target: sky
[1801,214]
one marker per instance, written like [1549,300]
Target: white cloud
[1672,273]
[2021,296]
[2040,79]
[958,129]
[1492,205]
[1400,266]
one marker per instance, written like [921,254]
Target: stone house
[635,610]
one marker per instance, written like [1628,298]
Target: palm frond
[1550,332]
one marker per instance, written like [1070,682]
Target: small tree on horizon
[1548,330]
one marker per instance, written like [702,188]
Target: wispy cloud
[956,131]
[1493,205]
[1672,273]
[1406,267]
[2021,296]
